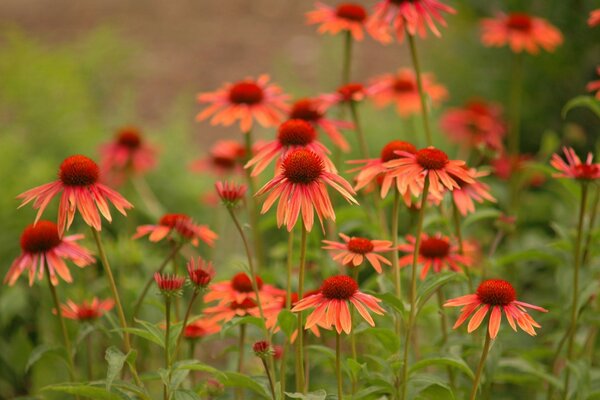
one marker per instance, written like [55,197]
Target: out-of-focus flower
[239,289]
[225,157]
[231,193]
[498,296]
[247,101]
[573,168]
[262,349]
[349,17]
[78,182]
[181,224]
[200,328]
[594,19]
[169,285]
[401,89]
[42,249]
[468,192]
[86,311]
[436,251]
[520,32]
[350,92]
[594,86]
[301,187]
[354,250]
[505,165]
[200,272]
[331,305]
[227,311]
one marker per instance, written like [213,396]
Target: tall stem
[424,109]
[167,333]
[514,136]
[90,361]
[484,353]
[186,318]
[269,377]
[591,225]
[338,366]
[253,212]
[347,58]
[153,205]
[300,383]
[364,148]
[395,262]
[288,305]
[241,344]
[413,288]
[576,267]
[461,247]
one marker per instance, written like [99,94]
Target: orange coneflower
[301,187]
[43,249]
[499,296]
[225,157]
[594,86]
[574,168]
[520,31]
[200,328]
[181,224]
[354,250]
[349,17]
[468,192]
[594,18]
[86,311]
[239,289]
[350,92]
[436,251]
[78,181]
[332,308]
[246,101]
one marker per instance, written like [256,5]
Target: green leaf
[43,350]
[528,368]
[354,368]
[453,362]
[287,321]
[388,339]
[433,282]
[92,392]
[588,102]
[146,335]
[529,254]
[368,392]
[318,395]
[243,320]
[329,353]
[116,359]
[184,394]
[422,383]
[194,365]
[234,379]
[391,300]
[480,215]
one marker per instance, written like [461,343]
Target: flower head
[402,90]
[262,349]
[200,272]
[225,157]
[200,328]
[169,285]
[86,311]
[246,101]
[78,182]
[350,17]
[354,250]
[573,168]
[469,192]
[332,301]
[301,186]
[231,193]
[594,86]
[181,224]
[498,296]
[435,251]
[407,16]
[594,18]
[520,31]
[239,289]
[348,93]
[42,249]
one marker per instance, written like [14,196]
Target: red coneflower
[594,19]
[574,168]
[350,92]
[231,193]
[43,249]
[246,101]
[411,171]
[225,157]
[227,311]
[127,153]
[262,349]
[301,187]
[200,328]
[311,110]
[520,31]
[499,296]
[332,308]
[200,272]
[86,311]
[78,181]
[402,90]
[292,134]
[594,86]
[478,123]
[412,16]
[468,192]
[354,250]
[239,289]
[436,251]
[181,224]
[345,17]
[169,284]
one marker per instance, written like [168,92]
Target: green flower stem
[484,353]
[514,136]
[269,377]
[364,148]
[459,238]
[240,369]
[153,205]
[355,272]
[300,381]
[347,58]
[288,305]
[167,333]
[338,366]
[423,95]
[186,318]
[413,289]
[395,259]
[254,213]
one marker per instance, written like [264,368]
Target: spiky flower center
[349,90]
[431,158]
[389,150]
[404,85]
[245,304]
[519,22]
[496,292]
[587,171]
[243,284]
[40,238]
[302,166]
[360,245]
[296,132]
[340,287]
[246,93]
[305,109]
[78,170]
[352,12]
[130,138]
[433,247]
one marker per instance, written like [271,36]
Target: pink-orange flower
[505,165]
[350,92]
[374,168]
[429,163]
[78,181]
[42,249]
[498,296]
[127,154]
[594,86]
[271,312]
[227,311]
[520,32]
[354,250]
[201,328]
[468,192]
[478,123]
[301,187]
[86,311]
[169,284]
[402,90]
[230,193]
[312,110]
[573,168]
[436,251]
[225,157]
[594,19]
[292,134]
[200,272]
[331,305]
[239,289]
[345,17]
[181,224]
[412,16]
[246,101]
